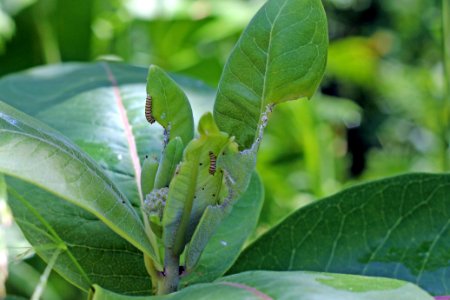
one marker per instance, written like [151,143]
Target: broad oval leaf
[281,56]
[266,285]
[33,152]
[397,227]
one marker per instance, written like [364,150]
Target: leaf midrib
[131,141]
[269,47]
[247,288]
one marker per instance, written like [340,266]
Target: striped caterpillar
[212,163]
[148,110]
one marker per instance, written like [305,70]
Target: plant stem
[171,277]
[49,42]
[44,277]
[154,274]
[446,62]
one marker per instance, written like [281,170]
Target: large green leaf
[86,102]
[92,253]
[286,286]
[100,107]
[225,245]
[59,169]
[397,227]
[281,56]
[46,159]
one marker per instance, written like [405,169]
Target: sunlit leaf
[193,188]
[288,285]
[46,160]
[169,105]
[281,56]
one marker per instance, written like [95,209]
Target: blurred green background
[382,108]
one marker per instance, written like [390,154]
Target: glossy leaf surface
[64,190]
[93,105]
[46,159]
[267,285]
[397,227]
[281,56]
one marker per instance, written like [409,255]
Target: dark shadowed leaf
[397,227]
[92,253]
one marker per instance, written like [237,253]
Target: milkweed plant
[139,202]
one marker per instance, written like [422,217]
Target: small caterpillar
[212,163]
[148,110]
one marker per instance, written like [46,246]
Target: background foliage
[379,112]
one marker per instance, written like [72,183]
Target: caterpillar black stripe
[212,163]
[148,110]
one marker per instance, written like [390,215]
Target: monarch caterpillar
[148,110]
[212,163]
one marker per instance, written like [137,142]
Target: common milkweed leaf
[366,230]
[281,56]
[193,188]
[46,159]
[213,259]
[96,100]
[268,285]
[88,247]
[148,175]
[169,105]
[92,98]
[170,158]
